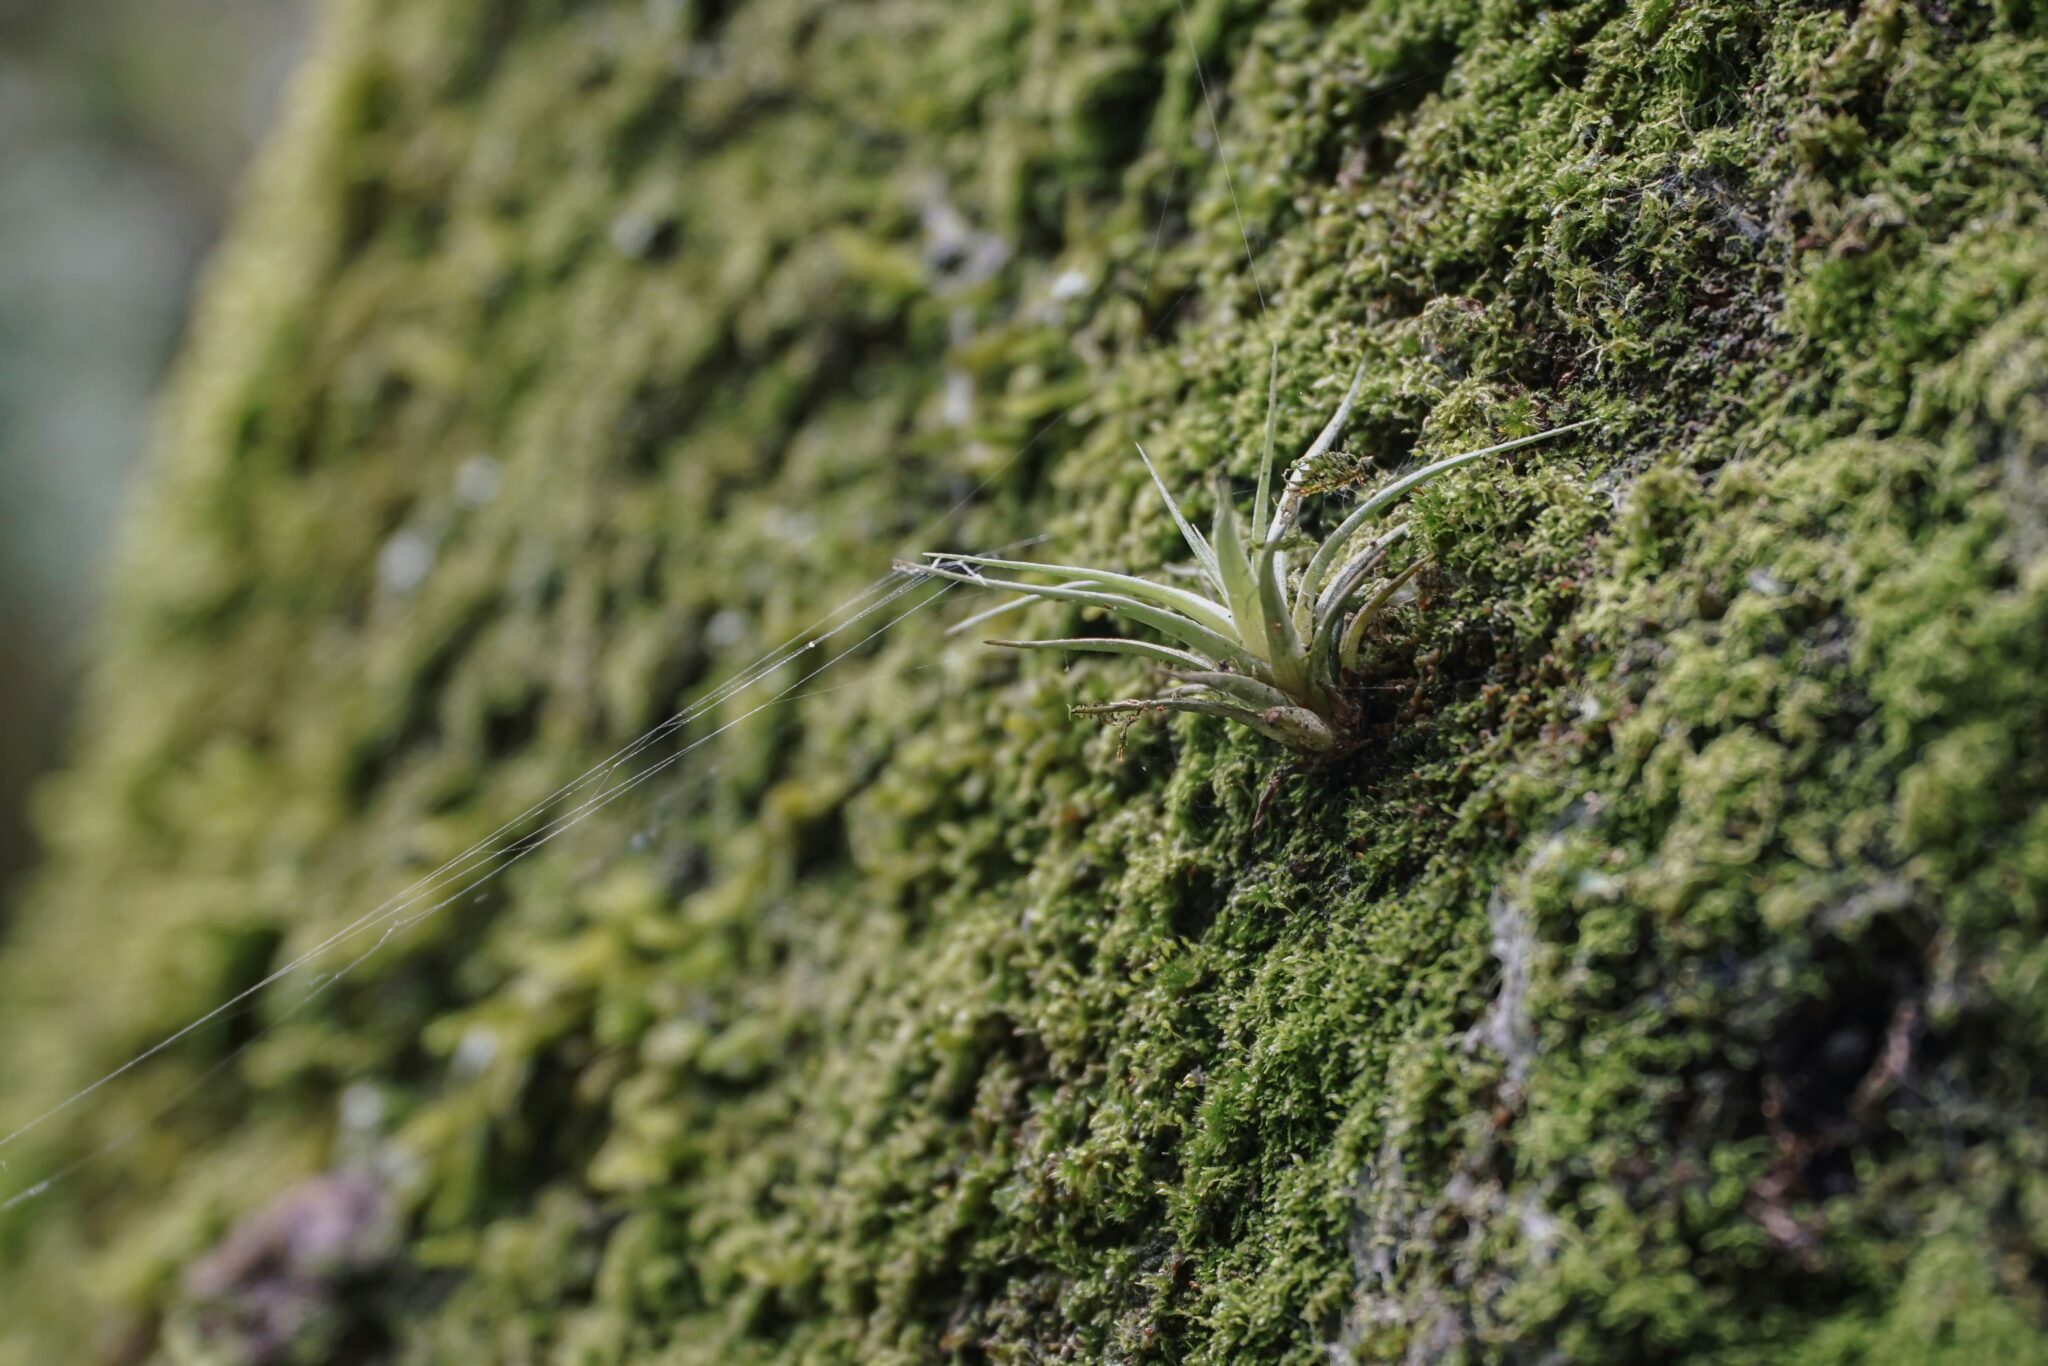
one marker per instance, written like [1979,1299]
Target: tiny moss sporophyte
[1266,646]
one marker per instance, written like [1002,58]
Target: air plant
[1272,648]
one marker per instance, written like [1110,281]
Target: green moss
[1664,981]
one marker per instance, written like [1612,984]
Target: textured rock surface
[1668,980]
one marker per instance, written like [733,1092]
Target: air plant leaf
[1289,509]
[1361,622]
[1194,605]
[1267,650]
[1190,633]
[1247,690]
[1329,622]
[1296,727]
[1236,566]
[1263,499]
[1115,645]
[1204,555]
[1384,498]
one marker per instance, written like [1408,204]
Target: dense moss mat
[1664,980]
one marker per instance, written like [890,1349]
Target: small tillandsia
[1271,648]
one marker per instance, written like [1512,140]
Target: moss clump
[1665,981]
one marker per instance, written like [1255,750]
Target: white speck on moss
[362,1107]
[477,481]
[790,527]
[474,1053]
[404,562]
[1069,285]
[725,629]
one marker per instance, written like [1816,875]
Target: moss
[1665,980]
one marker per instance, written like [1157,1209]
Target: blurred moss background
[123,126]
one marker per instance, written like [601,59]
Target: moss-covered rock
[1666,980]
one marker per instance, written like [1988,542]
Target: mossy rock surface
[1665,980]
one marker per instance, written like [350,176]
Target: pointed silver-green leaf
[1368,613]
[1285,515]
[1198,545]
[1263,499]
[1247,690]
[991,614]
[1190,633]
[1113,645]
[1291,726]
[1348,578]
[1240,590]
[1323,653]
[1284,649]
[1333,547]
[1205,610]
[1258,602]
